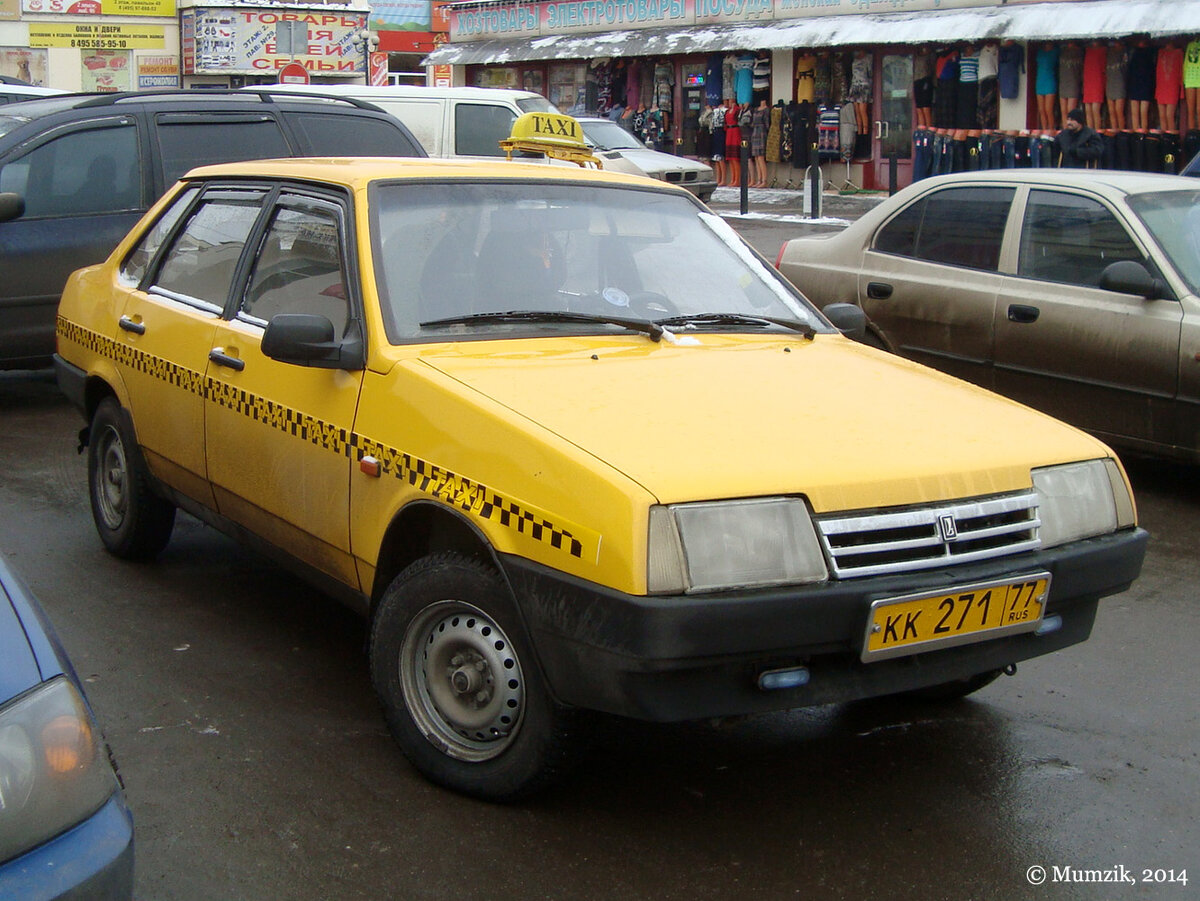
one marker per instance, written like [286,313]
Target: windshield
[611,136]
[447,251]
[1173,217]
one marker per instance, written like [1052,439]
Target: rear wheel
[132,520]
[462,693]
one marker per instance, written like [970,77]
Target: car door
[930,280]
[166,327]
[277,434]
[1105,361]
[83,190]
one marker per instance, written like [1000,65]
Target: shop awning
[1078,20]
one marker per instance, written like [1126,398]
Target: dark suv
[77,171]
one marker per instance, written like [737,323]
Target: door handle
[218,356]
[128,325]
[879,290]
[878,130]
[1019,312]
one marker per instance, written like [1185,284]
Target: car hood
[738,416]
[653,161]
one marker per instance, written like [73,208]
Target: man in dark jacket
[1077,146]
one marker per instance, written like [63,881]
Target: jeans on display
[922,154]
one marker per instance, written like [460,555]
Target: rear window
[955,227]
[352,135]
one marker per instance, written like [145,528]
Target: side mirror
[847,318]
[306,339]
[1131,277]
[12,206]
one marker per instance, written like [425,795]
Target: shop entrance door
[892,128]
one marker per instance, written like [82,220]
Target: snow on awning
[1080,20]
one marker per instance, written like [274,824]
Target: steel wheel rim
[462,681]
[112,479]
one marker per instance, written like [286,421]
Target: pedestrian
[1077,145]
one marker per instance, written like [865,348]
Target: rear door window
[187,140]
[956,227]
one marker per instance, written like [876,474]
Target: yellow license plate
[964,614]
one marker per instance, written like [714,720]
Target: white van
[450,122]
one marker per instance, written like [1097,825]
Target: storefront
[861,65]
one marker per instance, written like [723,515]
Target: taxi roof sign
[553,134]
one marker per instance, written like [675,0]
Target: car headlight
[732,544]
[1080,500]
[53,769]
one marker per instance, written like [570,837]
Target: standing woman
[1047,85]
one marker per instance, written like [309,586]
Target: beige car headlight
[1081,500]
[732,544]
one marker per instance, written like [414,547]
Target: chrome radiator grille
[901,540]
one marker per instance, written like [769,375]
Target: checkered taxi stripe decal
[459,492]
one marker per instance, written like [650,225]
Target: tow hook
[1010,670]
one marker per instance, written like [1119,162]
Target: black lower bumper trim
[698,656]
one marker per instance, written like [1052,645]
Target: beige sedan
[1076,292]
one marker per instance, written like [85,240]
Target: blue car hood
[18,668]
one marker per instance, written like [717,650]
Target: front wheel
[132,520]
[461,691]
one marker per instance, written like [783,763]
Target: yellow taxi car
[571,445]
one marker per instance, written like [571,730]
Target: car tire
[134,523]
[953,691]
[461,690]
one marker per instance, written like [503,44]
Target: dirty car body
[1076,292]
[571,445]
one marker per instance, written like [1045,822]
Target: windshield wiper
[653,329]
[740,319]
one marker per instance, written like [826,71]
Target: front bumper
[91,860]
[696,656]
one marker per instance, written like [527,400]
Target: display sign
[245,41]
[95,36]
[162,8]
[106,70]
[157,72]
[527,20]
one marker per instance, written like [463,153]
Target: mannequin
[860,90]
[1115,77]
[1141,83]
[1047,86]
[1070,78]
[1191,84]
[1168,85]
[1094,61]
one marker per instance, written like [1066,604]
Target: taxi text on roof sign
[553,134]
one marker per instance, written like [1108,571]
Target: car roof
[357,172]
[1118,181]
[32,109]
[401,91]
